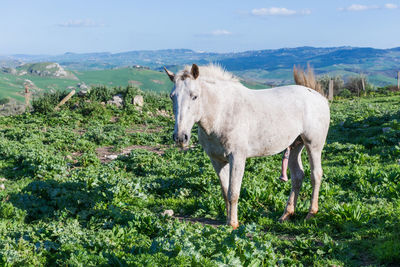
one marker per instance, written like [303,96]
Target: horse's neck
[216,102]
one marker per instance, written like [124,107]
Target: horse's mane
[210,73]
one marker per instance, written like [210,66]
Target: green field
[147,80]
[66,202]
[13,86]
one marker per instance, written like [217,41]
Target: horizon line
[193,50]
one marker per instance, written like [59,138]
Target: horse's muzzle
[181,139]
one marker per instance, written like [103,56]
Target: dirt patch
[157,81]
[143,129]
[163,113]
[133,83]
[113,119]
[79,131]
[106,153]
[203,221]
[74,156]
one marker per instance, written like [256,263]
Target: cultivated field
[68,200]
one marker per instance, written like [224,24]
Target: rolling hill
[267,66]
[12,85]
[13,81]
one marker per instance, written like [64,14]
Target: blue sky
[55,27]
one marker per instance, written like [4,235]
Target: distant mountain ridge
[272,65]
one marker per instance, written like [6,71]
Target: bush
[338,83]
[48,101]
[129,93]
[12,107]
[354,84]
[4,101]
[345,93]
[101,93]
[388,89]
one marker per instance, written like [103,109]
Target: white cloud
[220,32]
[390,6]
[358,7]
[80,23]
[279,11]
[215,33]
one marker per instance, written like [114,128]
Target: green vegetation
[65,202]
[13,85]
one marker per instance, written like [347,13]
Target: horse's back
[309,106]
[281,114]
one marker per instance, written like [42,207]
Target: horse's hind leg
[314,154]
[297,176]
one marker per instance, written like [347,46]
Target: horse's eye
[194,97]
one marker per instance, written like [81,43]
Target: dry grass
[307,78]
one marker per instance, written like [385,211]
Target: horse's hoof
[285,217]
[235,225]
[310,216]
[283,178]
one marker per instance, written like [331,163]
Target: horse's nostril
[185,137]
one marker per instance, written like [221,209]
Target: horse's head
[186,103]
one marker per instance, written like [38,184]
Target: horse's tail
[307,78]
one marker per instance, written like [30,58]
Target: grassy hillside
[147,80]
[69,200]
[13,85]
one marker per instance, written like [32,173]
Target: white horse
[236,123]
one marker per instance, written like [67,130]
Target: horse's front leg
[236,170]
[222,170]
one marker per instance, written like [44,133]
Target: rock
[169,213]
[9,70]
[82,86]
[386,129]
[112,157]
[138,101]
[162,113]
[2,179]
[83,92]
[2,187]
[117,100]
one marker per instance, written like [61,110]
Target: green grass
[63,206]
[147,80]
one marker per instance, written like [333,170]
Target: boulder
[117,100]
[168,213]
[138,101]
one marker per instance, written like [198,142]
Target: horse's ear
[170,74]
[195,71]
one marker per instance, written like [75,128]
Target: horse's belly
[272,140]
